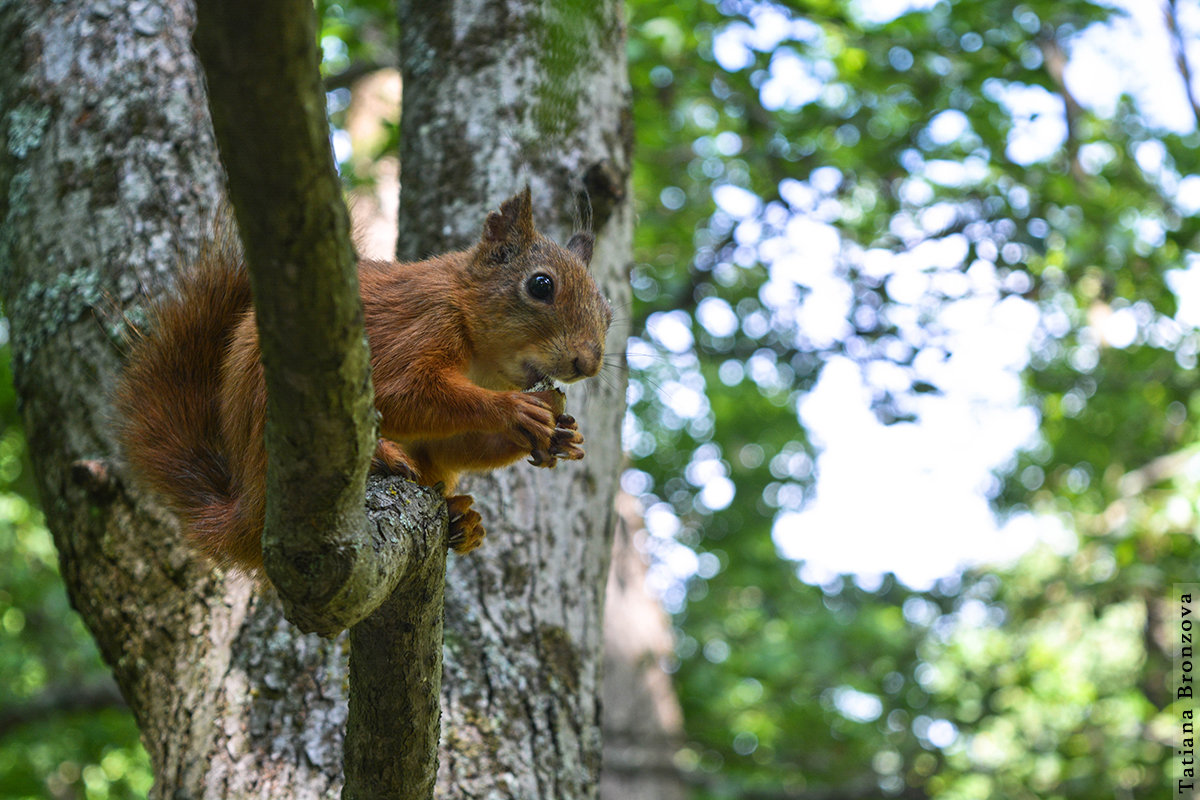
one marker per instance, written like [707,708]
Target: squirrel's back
[167,402]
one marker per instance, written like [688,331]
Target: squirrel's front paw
[532,421]
[563,444]
[466,532]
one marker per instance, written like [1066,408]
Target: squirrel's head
[550,319]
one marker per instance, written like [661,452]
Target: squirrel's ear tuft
[512,226]
[581,245]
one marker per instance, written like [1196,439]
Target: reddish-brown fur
[454,342]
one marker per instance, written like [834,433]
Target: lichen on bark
[569,35]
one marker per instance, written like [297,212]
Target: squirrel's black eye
[540,286]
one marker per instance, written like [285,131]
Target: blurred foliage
[902,149]
[57,751]
[357,39]
[907,151]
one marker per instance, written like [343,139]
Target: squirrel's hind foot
[466,532]
[389,459]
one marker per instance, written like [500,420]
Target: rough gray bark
[108,172]
[496,95]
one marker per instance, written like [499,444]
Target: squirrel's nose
[587,364]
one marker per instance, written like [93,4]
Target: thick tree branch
[395,677]
[332,569]
[267,105]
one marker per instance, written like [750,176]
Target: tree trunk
[108,171]
[643,723]
[497,95]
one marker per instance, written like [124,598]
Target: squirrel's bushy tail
[168,399]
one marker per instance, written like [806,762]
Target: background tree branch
[358,69]
[66,698]
[1182,62]
[1056,63]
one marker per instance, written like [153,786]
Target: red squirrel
[457,341]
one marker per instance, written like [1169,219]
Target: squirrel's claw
[564,443]
[566,439]
[542,458]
